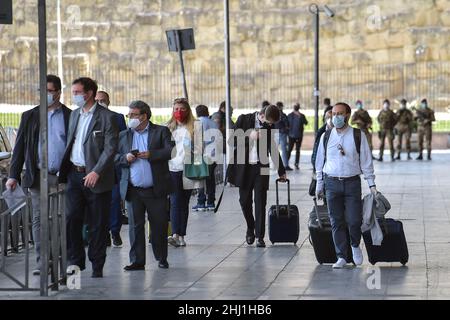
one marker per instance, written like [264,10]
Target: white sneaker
[173,241]
[340,264]
[357,256]
[182,242]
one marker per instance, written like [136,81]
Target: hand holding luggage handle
[289,196]
[317,213]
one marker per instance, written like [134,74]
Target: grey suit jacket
[160,146]
[100,147]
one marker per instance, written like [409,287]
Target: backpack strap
[357,137]
[326,137]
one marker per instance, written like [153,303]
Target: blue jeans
[179,204]
[115,216]
[345,209]
[283,141]
[210,188]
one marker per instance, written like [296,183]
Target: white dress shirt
[253,157]
[344,166]
[77,155]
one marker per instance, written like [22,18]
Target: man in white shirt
[338,169]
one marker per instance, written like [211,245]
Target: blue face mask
[50,99]
[359,106]
[78,100]
[339,121]
[423,105]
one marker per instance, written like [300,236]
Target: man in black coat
[27,151]
[144,153]
[250,168]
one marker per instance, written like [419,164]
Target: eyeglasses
[341,149]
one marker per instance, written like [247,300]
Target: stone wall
[122,43]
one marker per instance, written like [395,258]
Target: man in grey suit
[144,152]
[88,169]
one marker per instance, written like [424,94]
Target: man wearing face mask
[88,169]
[363,121]
[144,153]
[102,99]
[253,175]
[404,128]
[27,151]
[424,117]
[387,120]
[339,165]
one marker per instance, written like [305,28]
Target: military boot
[419,157]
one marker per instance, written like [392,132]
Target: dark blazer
[120,121]
[238,174]
[26,147]
[160,145]
[100,147]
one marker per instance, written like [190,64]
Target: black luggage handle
[317,213]
[289,196]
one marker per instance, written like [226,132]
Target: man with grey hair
[144,152]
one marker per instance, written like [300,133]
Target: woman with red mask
[182,127]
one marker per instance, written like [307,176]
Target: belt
[79,169]
[342,178]
[149,188]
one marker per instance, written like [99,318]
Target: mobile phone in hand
[134,152]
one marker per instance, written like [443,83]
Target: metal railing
[158,84]
[14,228]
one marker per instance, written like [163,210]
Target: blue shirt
[141,170]
[56,140]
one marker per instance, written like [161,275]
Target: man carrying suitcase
[342,156]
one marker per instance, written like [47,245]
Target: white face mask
[386,106]
[133,123]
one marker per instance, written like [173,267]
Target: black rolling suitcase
[393,248]
[321,237]
[283,220]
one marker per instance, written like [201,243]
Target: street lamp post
[315,10]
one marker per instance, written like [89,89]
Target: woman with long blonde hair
[182,126]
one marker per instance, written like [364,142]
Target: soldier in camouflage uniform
[387,120]
[363,121]
[404,128]
[424,117]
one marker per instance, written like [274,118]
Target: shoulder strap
[357,137]
[326,137]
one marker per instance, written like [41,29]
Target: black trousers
[145,200]
[298,144]
[78,199]
[254,185]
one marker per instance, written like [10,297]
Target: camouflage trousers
[424,131]
[389,133]
[404,131]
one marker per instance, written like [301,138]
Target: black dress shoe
[296,167]
[250,239]
[261,243]
[163,264]
[288,168]
[134,267]
[97,274]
